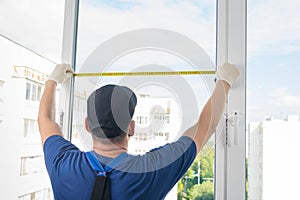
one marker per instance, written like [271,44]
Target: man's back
[149,176]
[109,120]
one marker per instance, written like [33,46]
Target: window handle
[234,126]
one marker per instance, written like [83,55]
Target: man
[109,120]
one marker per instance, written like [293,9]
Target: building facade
[156,123]
[272,145]
[23,90]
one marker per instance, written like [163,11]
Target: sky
[273,59]
[273,39]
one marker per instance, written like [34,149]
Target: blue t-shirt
[149,176]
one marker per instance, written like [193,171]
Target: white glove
[228,72]
[60,73]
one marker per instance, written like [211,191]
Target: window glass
[30,45]
[273,99]
[33,93]
[161,113]
[26,127]
[28,89]
[40,194]
[42,20]
[34,89]
[31,165]
[39,92]
[30,130]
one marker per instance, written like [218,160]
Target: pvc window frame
[69,46]
[230,165]
[230,150]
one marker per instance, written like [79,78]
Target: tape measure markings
[144,73]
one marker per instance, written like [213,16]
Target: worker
[108,170]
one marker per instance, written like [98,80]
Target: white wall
[281,165]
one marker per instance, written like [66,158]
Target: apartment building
[272,145]
[157,123]
[20,95]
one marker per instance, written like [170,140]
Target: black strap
[101,188]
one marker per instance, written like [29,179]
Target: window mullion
[65,108]
[231,140]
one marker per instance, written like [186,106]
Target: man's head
[109,110]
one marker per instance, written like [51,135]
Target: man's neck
[105,147]
[111,150]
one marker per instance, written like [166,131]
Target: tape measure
[144,73]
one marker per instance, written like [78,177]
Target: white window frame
[65,108]
[230,150]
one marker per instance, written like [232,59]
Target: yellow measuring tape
[144,73]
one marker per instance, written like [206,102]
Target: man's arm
[46,116]
[213,109]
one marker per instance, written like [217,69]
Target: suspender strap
[112,164]
[101,188]
[96,165]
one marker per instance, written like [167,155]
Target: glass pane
[30,44]
[21,21]
[33,93]
[39,93]
[28,90]
[149,36]
[273,100]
